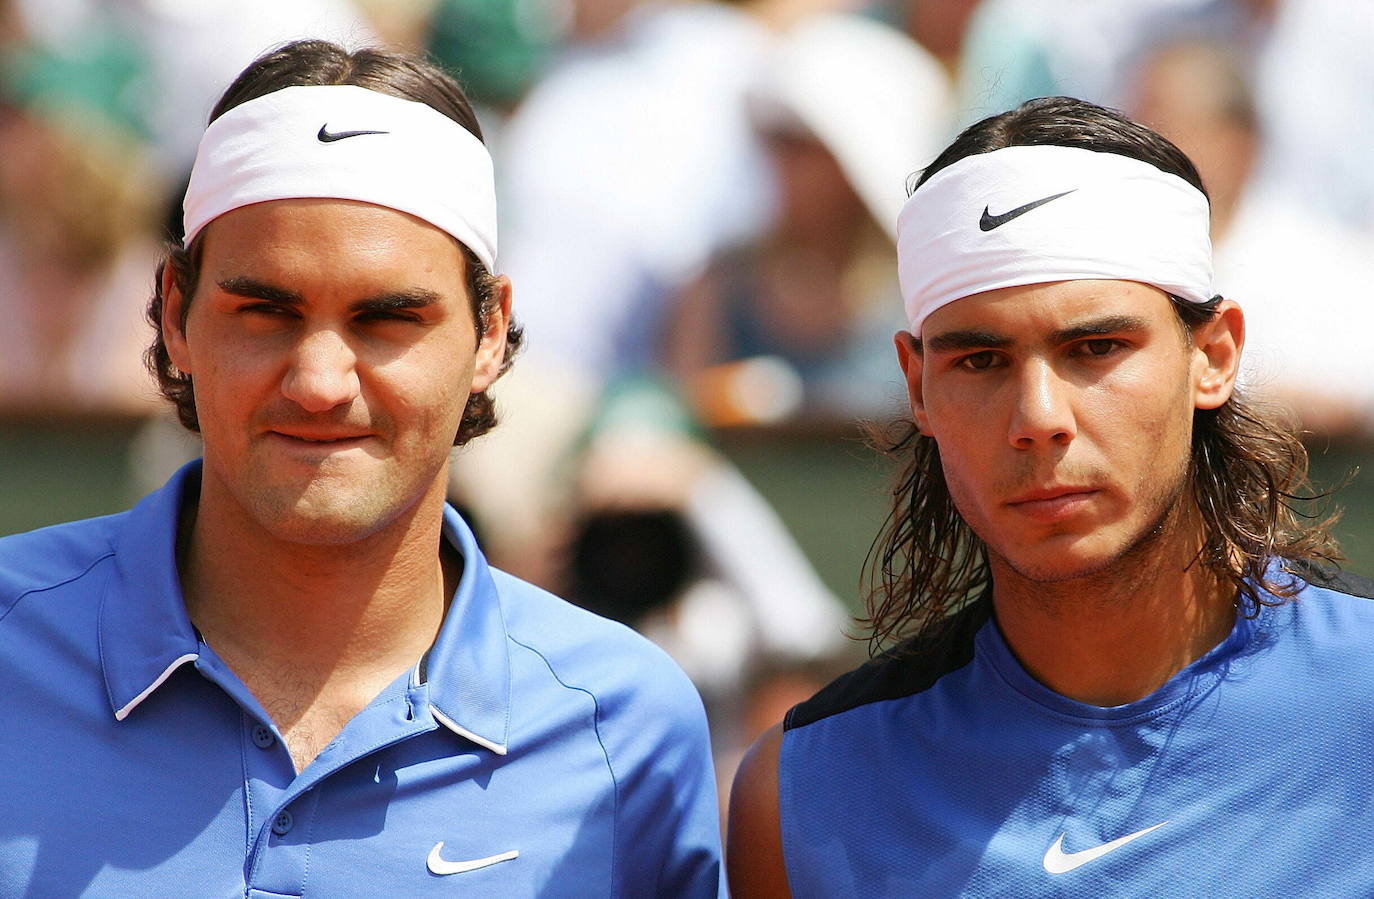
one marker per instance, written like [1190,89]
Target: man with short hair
[1123,665]
[290,672]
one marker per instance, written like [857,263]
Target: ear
[173,332]
[912,362]
[1217,346]
[491,349]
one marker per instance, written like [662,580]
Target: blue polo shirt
[537,750]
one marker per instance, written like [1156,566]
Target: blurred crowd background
[697,206]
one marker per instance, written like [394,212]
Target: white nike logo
[1057,861]
[439,865]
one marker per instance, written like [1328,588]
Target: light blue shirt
[556,752]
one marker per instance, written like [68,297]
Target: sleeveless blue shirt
[947,770]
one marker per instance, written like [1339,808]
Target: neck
[368,608]
[1118,635]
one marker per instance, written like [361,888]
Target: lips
[1053,503]
[1048,493]
[319,438]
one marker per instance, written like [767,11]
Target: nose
[323,372]
[1042,410]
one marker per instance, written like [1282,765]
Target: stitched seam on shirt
[370,748]
[247,792]
[596,728]
[1203,682]
[76,577]
[309,834]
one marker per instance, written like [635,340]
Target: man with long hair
[1118,659]
[290,671]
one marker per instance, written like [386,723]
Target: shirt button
[282,824]
[262,736]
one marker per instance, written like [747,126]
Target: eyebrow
[391,301]
[950,341]
[975,339]
[244,286]
[1099,327]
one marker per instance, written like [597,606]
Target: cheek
[430,390]
[224,355]
[1149,405]
[1142,430]
[964,472]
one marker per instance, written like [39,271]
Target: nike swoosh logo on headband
[327,136]
[988,222]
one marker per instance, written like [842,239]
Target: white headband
[1028,215]
[347,143]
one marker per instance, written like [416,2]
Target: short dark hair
[1248,465]
[320,63]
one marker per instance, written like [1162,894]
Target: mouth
[1053,502]
[319,440]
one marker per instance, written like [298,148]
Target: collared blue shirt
[549,751]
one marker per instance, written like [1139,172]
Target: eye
[387,316]
[271,310]
[1098,347]
[980,361]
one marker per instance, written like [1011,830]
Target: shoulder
[907,669]
[1326,624]
[1333,607]
[651,728]
[753,853]
[625,673]
[53,557]
[1332,579]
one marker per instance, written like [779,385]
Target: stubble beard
[1130,567]
[338,509]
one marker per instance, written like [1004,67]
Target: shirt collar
[468,668]
[145,633]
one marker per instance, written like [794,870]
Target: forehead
[1036,310]
[310,235]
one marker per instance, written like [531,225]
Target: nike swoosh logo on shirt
[326,136]
[1057,861]
[437,864]
[987,222]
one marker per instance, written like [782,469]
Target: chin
[1052,564]
[322,530]
[321,520]
[1058,571]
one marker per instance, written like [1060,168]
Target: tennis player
[1120,662]
[290,671]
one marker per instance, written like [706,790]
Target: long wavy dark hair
[320,62]
[1248,465]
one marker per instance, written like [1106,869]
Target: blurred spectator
[104,103]
[817,292]
[1302,279]
[939,26]
[629,166]
[77,207]
[670,539]
[1019,49]
[1307,59]
[624,168]
[497,48]
[1317,109]
[192,49]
